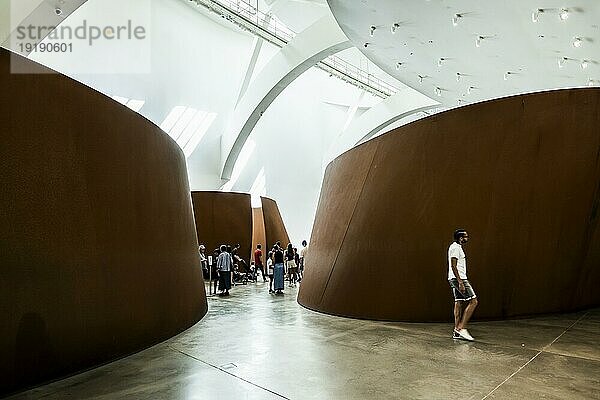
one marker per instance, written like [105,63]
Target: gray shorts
[467,295]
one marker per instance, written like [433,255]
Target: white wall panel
[199,61]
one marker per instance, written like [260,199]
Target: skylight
[187,126]
[135,105]
[241,162]
[259,188]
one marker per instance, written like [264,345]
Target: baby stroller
[240,277]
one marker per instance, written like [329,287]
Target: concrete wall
[521,174]
[186,71]
[98,250]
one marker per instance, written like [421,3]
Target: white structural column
[390,110]
[318,41]
[256,47]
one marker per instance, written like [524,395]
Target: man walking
[465,299]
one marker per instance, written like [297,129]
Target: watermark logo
[86,31]
[108,36]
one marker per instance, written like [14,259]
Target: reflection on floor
[253,345]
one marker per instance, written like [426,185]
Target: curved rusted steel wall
[98,250]
[223,218]
[274,226]
[520,173]
[258,232]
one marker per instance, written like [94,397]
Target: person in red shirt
[258,264]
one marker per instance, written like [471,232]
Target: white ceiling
[297,14]
[515,55]
[16,14]
[12,13]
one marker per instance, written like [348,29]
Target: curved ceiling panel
[470,51]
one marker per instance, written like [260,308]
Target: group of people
[226,263]
[281,262]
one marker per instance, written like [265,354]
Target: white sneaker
[466,335]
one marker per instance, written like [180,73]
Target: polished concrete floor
[253,345]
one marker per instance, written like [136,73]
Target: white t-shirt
[456,251]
